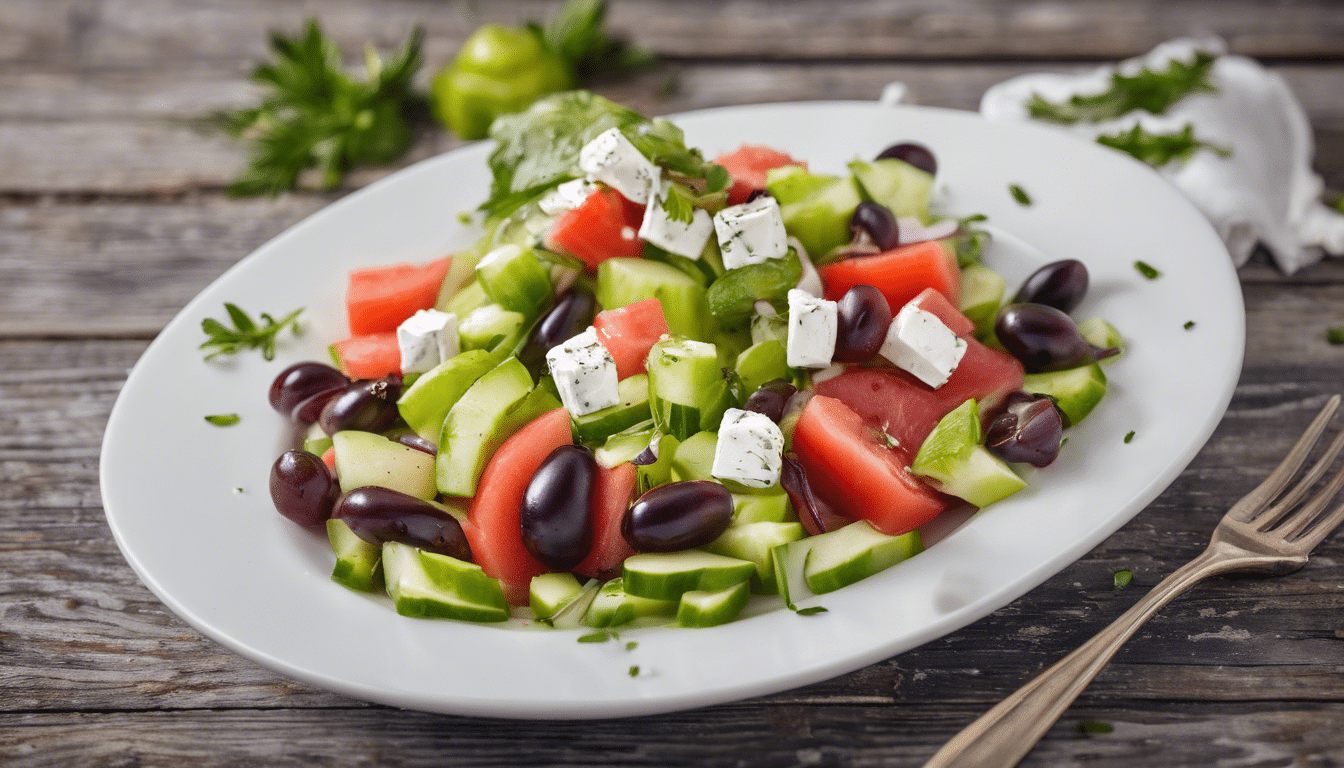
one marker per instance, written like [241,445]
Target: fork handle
[1005,734]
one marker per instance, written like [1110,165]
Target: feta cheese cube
[684,238]
[584,373]
[613,160]
[750,449]
[566,197]
[918,342]
[426,339]
[813,324]
[751,233]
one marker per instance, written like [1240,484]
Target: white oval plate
[188,501]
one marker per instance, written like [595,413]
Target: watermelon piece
[852,468]
[329,458]
[900,274]
[611,498]
[933,302]
[371,356]
[629,333]
[380,298]
[897,403]
[604,226]
[496,532]
[747,166]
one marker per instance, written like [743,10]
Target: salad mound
[658,385]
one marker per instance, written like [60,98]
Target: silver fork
[1257,535]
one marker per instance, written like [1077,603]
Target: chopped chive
[1093,726]
[224,419]
[810,611]
[1123,577]
[1147,270]
[634,670]
[632,645]
[1191,324]
[1335,335]
[1129,436]
[595,637]
[1019,194]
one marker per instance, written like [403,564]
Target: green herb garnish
[576,31]
[1335,335]
[970,239]
[246,333]
[1158,149]
[1092,726]
[1122,578]
[678,206]
[224,419]
[634,670]
[1189,324]
[1129,436]
[810,611]
[1147,270]
[1149,90]
[317,116]
[595,637]
[632,645]
[1019,194]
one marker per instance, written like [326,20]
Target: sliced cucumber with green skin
[472,430]
[981,296]
[365,458]
[710,609]
[689,267]
[613,606]
[788,561]
[516,279]
[650,476]
[762,362]
[316,441]
[770,328]
[668,575]
[548,593]
[954,458]
[625,445]
[1099,333]
[755,542]
[357,560]
[820,221]
[792,183]
[461,271]
[486,326]
[626,281]
[571,615]
[687,391]
[694,457]
[471,297]
[425,404]
[429,585]
[841,557]
[901,187]
[1075,391]
[769,505]
[597,426]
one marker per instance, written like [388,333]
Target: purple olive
[678,516]
[1059,284]
[815,515]
[1030,431]
[572,313]
[368,406]
[557,529]
[381,514]
[770,398]
[863,319]
[302,488]
[913,154]
[412,440]
[1044,339]
[301,390]
[878,223]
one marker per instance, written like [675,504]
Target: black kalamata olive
[572,313]
[1059,284]
[878,223]
[412,440]
[863,319]
[1043,338]
[368,406]
[1030,430]
[770,398]
[815,514]
[381,514]
[678,516]
[756,194]
[301,390]
[302,488]
[914,154]
[557,529]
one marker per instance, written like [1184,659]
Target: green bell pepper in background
[499,70]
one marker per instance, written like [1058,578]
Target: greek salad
[658,385]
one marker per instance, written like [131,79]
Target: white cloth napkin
[1263,192]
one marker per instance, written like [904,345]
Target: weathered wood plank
[93,33]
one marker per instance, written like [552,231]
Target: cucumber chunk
[625,445]
[488,325]
[820,221]
[953,457]
[430,585]
[901,187]
[470,298]
[625,281]
[515,278]
[667,575]
[549,593]
[694,457]
[357,560]
[316,441]
[478,424]
[1075,391]
[981,296]
[687,391]
[770,505]
[762,362]
[425,404]
[855,552]
[650,476]
[754,542]
[365,458]
[634,408]
[792,183]
[613,606]
[1100,333]
[710,609]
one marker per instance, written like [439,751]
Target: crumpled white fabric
[1264,192]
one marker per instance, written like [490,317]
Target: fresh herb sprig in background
[246,333]
[1158,149]
[1149,90]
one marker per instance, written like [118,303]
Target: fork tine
[1252,503]
[1300,519]
[1308,481]
[1323,528]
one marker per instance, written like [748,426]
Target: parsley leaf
[1122,578]
[224,419]
[970,239]
[600,636]
[317,116]
[677,205]
[634,670]
[1147,270]
[1150,90]
[1189,324]
[1129,436]
[1158,149]
[1019,194]
[245,333]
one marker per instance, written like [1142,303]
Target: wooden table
[112,216]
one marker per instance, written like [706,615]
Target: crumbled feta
[584,373]
[751,233]
[918,342]
[613,160]
[426,339]
[750,449]
[813,324]
[566,197]
[680,237]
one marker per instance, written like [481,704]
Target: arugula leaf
[246,333]
[1149,90]
[316,116]
[1158,149]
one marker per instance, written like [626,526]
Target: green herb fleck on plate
[224,419]
[1147,270]
[1189,324]
[1092,726]
[632,645]
[810,611]
[1019,194]
[1123,577]
[595,637]
[246,333]
[1129,436]
[634,670]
